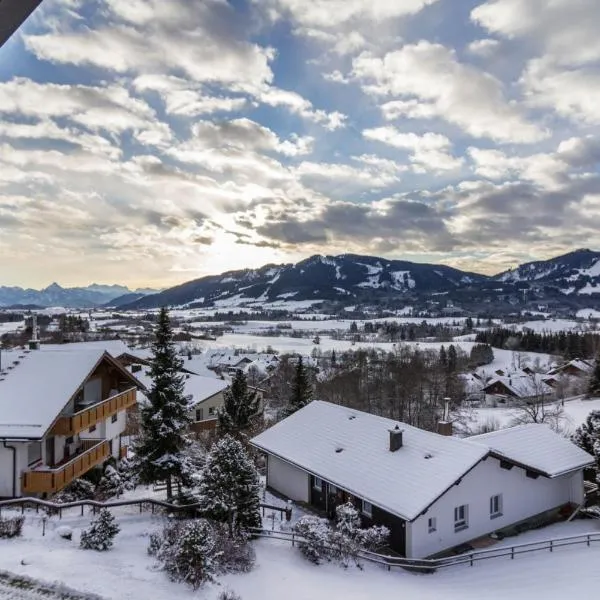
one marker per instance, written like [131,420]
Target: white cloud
[428,152]
[485,47]
[459,93]
[566,29]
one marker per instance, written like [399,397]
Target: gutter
[14,454]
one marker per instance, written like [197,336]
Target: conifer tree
[587,435]
[301,389]
[229,490]
[239,406]
[101,533]
[164,420]
[594,385]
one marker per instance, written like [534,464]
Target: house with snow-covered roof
[519,385]
[63,410]
[433,492]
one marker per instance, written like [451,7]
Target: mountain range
[77,297]
[565,282]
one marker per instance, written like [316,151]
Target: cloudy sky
[149,142]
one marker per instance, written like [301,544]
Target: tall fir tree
[229,489]
[240,405]
[594,385]
[301,389]
[164,420]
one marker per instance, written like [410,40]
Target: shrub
[110,485]
[78,489]
[229,595]
[11,527]
[195,551]
[316,533]
[101,533]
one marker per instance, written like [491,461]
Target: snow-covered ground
[575,412]
[127,572]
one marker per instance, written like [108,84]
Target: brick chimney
[395,438]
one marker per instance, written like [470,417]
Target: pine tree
[594,385]
[164,420]
[239,406]
[587,435]
[301,389]
[101,533]
[229,490]
[452,358]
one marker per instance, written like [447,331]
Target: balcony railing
[50,480]
[84,419]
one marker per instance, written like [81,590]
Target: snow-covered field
[127,572]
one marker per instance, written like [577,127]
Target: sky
[150,142]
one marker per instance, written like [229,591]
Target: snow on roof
[35,391]
[536,446]
[200,388]
[522,386]
[113,347]
[350,449]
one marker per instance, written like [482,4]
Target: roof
[522,386]
[113,347]
[198,387]
[35,391]
[537,446]
[12,15]
[404,482]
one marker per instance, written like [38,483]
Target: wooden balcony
[84,419]
[48,481]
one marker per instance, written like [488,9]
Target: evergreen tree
[587,435]
[164,420]
[452,358]
[229,490]
[301,389]
[443,357]
[240,405]
[101,533]
[594,385]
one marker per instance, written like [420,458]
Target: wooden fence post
[551,548]
[512,552]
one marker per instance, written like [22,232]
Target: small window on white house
[114,418]
[318,484]
[92,429]
[199,414]
[496,506]
[461,517]
[212,410]
[431,524]
[367,508]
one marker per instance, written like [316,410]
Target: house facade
[62,412]
[433,492]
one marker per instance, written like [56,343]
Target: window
[318,483]
[212,410]
[92,429]
[199,414]
[461,517]
[69,440]
[367,508]
[114,418]
[496,506]
[431,525]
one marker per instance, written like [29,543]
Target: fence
[153,503]
[433,564]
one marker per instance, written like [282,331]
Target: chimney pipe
[444,426]
[395,438]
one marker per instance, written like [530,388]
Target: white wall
[6,468]
[287,479]
[522,497]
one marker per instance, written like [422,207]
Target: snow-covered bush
[110,485]
[65,532]
[78,489]
[316,533]
[11,527]
[187,552]
[101,532]
[229,595]
[128,473]
[195,551]
[343,542]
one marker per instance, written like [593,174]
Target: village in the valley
[198,451]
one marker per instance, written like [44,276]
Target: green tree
[229,490]
[160,449]
[594,385]
[301,389]
[239,406]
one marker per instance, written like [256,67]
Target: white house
[434,492]
[63,411]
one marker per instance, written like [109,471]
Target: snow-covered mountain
[79,297]
[347,278]
[576,273]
